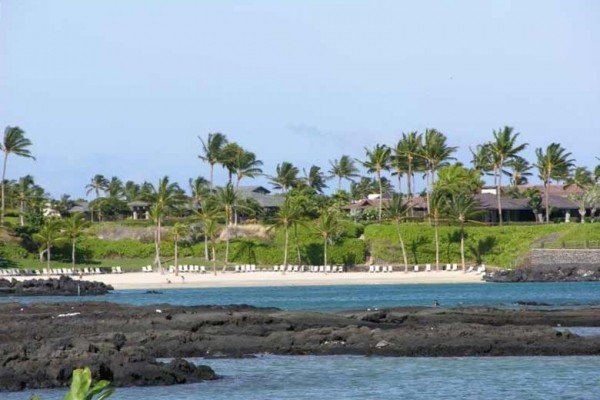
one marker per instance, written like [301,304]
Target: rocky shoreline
[63,286]
[41,343]
[546,273]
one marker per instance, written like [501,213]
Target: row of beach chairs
[245,268]
[309,268]
[426,268]
[59,271]
[200,269]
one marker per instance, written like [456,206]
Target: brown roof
[558,190]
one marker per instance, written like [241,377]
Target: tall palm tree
[555,164]
[504,147]
[378,161]
[315,179]
[229,202]
[178,231]
[166,196]
[23,193]
[435,153]
[98,184]
[48,236]
[343,168]
[327,226]
[114,188]
[288,215]
[519,170]
[407,152]
[15,143]
[199,189]
[438,205]
[131,191]
[73,229]
[208,214]
[397,210]
[212,150]
[481,158]
[581,178]
[462,208]
[245,165]
[286,176]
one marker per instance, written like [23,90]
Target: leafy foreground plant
[80,387]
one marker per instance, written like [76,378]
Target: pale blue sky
[124,87]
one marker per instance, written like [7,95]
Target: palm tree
[199,189]
[166,196]
[519,171]
[229,202]
[212,149]
[15,143]
[48,236]
[435,153]
[581,178]
[208,213]
[131,191]
[74,228]
[397,210]
[438,205]
[246,166]
[315,179]
[501,149]
[462,208]
[343,169]
[288,215]
[327,226]
[377,161]
[114,188]
[286,176]
[98,184]
[481,158]
[407,152]
[23,193]
[178,231]
[555,164]
[597,174]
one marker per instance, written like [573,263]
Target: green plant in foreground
[82,389]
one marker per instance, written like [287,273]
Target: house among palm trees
[262,196]
[140,209]
[81,207]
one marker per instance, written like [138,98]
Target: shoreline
[156,280]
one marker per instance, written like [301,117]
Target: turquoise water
[330,298]
[351,377]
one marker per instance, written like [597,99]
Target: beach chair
[253,268]
[454,267]
[296,268]
[470,269]
[321,268]
[390,268]
[448,267]
[202,269]
[416,268]
[377,268]
[384,269]
[98,271]
[237,268]
[328,268]
[334,269]
[119,270]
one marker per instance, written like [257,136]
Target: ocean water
[352,377]
[344,297]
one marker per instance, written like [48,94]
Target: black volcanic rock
[63,286]
[545,273]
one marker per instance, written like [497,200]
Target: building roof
[261,195]
[138,203]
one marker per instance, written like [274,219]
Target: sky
[126,87]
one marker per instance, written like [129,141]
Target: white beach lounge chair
[202,269]
[390,268]
[454,267]
[427,267]
[416,268]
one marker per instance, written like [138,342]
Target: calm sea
[332,298]
[351,377]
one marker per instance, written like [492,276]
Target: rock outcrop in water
[39,344]
[544,273]
[63,286]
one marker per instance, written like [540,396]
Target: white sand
[155,280]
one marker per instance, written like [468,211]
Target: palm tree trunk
[409,187]
[437,245]
[157,246]
[206,258]
[73,253]
[402,247]
[324,253]
[380,195]
[48,258]
[226,253]
[21,213]
[339,183]
[462,247]
[582,215]
[297,245]
[176,258]
[399,182]
[214,257]
[546,202]
[212,167]
[2,185]
[498,191]
[285,250]
[427,175]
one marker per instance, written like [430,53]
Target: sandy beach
[156,280]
